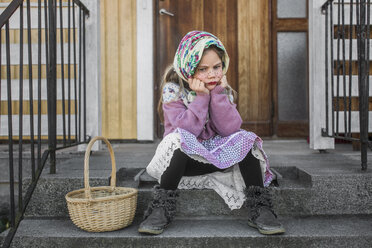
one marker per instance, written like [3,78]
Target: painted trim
[93,73]
[316,77]
[145,70]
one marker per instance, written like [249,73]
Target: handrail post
[363,85]
[52,87]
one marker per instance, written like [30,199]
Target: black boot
[262,215]
[160,211]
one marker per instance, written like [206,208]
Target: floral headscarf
[190,51]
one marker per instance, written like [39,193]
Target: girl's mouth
[212,83]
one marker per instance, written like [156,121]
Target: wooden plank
[224,27]
[354,67]
[232,45]
[217,26]
[44,107]
[293,129]
[243,58]
[196,13]
[291,25]
[127,70]
[261,128]
[343,103]
[110,122]
[103,24]
[347,32]
[118,38]
[14,71]
[254,63]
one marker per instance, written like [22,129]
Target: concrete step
[49,199]
[298,194]
[49,196]
[326,231]
[312,184]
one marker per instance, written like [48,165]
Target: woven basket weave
[101,209]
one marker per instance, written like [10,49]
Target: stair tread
[352,231]
[314,226]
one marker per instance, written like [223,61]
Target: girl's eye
[202,69]
[217,67]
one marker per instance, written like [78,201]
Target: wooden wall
[254,65]
[118,64]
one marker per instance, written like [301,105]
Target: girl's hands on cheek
[223,82]
[197,86]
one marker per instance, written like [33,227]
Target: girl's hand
[223,82]
[197,86]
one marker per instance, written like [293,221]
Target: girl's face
[209,70]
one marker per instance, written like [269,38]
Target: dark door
[245,30]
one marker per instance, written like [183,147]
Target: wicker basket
[101,209]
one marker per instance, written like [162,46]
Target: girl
[203,145]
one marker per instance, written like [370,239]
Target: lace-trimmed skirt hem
[222,152]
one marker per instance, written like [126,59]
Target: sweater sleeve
[224,116]
[191,118]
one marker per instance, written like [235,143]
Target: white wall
[145,70]
[93,73]
[145,106]
[317,76]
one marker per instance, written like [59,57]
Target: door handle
[165,12]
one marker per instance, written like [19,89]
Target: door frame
[145,69]
[287,128]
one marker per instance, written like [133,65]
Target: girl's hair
[170,75]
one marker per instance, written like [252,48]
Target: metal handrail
[9,11]
[338,68]
[50,12]
[82,6]
[14,5]
[326,4]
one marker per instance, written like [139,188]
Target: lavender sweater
[224,118]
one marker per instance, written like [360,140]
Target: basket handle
[86,165]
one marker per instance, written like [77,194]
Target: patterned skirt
[222,152]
